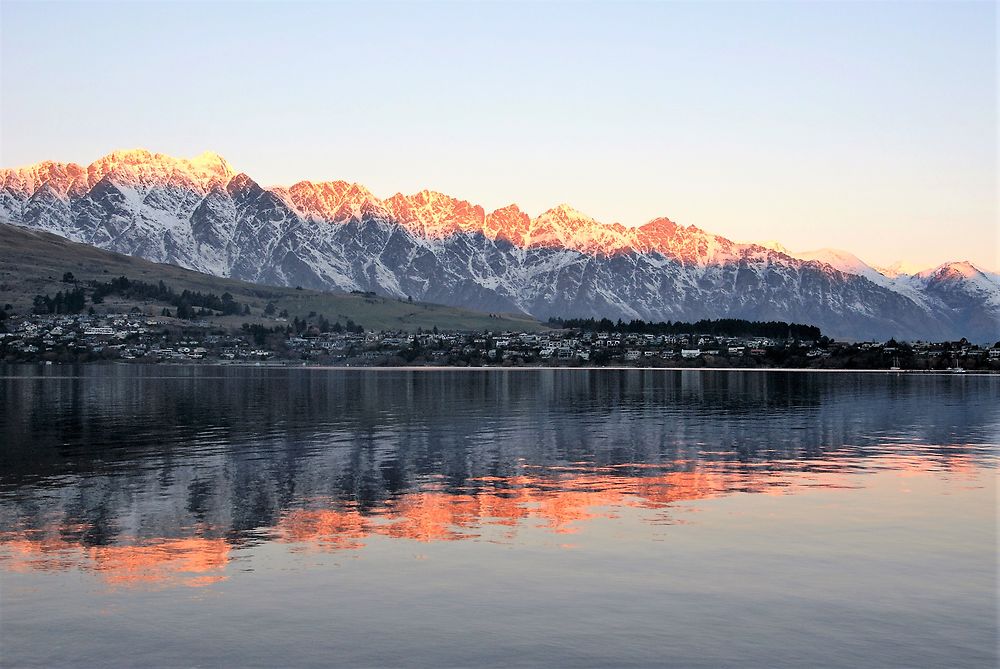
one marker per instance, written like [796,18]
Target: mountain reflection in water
[159,477]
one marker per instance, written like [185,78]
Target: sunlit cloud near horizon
[870,127]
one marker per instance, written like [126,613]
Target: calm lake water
[203,516]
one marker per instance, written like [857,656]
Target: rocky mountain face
[202,214]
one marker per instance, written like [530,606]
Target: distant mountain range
[203,215]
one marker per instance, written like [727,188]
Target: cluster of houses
[137,337]
[118,337]
[550,347]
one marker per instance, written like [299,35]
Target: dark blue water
[205,516]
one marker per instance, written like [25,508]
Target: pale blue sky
[866,126]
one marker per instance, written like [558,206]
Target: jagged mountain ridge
[957,286]
[202,214]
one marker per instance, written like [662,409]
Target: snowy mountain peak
[659,230]
[900,269]
[209,162]
[566,227]
[960,270]
[241,182]
[200,213]
[435,214]
[507,223]
[774,245]
[208,157]
[566,212]
[510,210]
[142,169]
[328,200]
[963,279]
[26,180]
[845,261]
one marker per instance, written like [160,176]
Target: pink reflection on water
[560,500]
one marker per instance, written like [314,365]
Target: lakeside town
[138,337]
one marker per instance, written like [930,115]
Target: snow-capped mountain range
[202,214]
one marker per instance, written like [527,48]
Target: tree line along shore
[130,320]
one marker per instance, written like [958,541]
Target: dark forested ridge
[186,301]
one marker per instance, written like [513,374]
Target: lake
[235,516]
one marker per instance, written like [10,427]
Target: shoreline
[447,368]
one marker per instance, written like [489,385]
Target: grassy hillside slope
[33,263]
